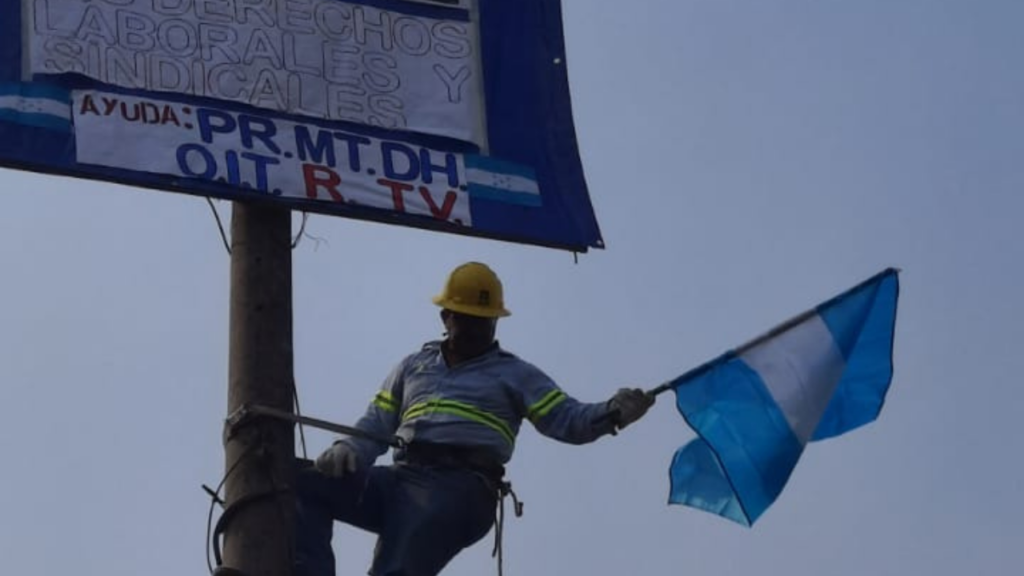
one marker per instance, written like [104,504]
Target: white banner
[269,155]
[325,59]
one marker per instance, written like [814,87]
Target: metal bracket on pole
[247,412]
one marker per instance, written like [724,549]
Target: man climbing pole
[457,404]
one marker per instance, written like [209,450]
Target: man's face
[469,335]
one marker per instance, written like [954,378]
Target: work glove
[338,460]
[629,405]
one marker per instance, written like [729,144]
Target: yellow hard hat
[473,289]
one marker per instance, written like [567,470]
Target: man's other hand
[338,460]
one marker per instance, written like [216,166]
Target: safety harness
[474,460]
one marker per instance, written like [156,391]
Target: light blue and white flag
[37,105]
[501,181]
[755,408]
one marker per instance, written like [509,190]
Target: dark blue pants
[423,516]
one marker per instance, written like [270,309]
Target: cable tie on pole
[217,499]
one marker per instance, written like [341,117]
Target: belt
[452,456]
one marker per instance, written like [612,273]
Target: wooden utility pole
[259,454]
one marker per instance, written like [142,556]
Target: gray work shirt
[479,403]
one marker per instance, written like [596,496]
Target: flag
[501,181]
[37,105]
[755,408]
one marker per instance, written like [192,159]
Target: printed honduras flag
[819,375]
[35,105]
[501,181]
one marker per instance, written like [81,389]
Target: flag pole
[803,316]
[670,384]
[788,324]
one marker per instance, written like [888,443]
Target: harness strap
[477,461]
[504,491]
[452,456]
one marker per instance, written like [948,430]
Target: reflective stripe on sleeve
[541,408]
[385,401]
[463,410]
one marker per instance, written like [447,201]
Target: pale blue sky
[747,160]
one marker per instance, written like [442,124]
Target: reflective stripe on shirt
[467,411]
[385,401]
[541,407]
